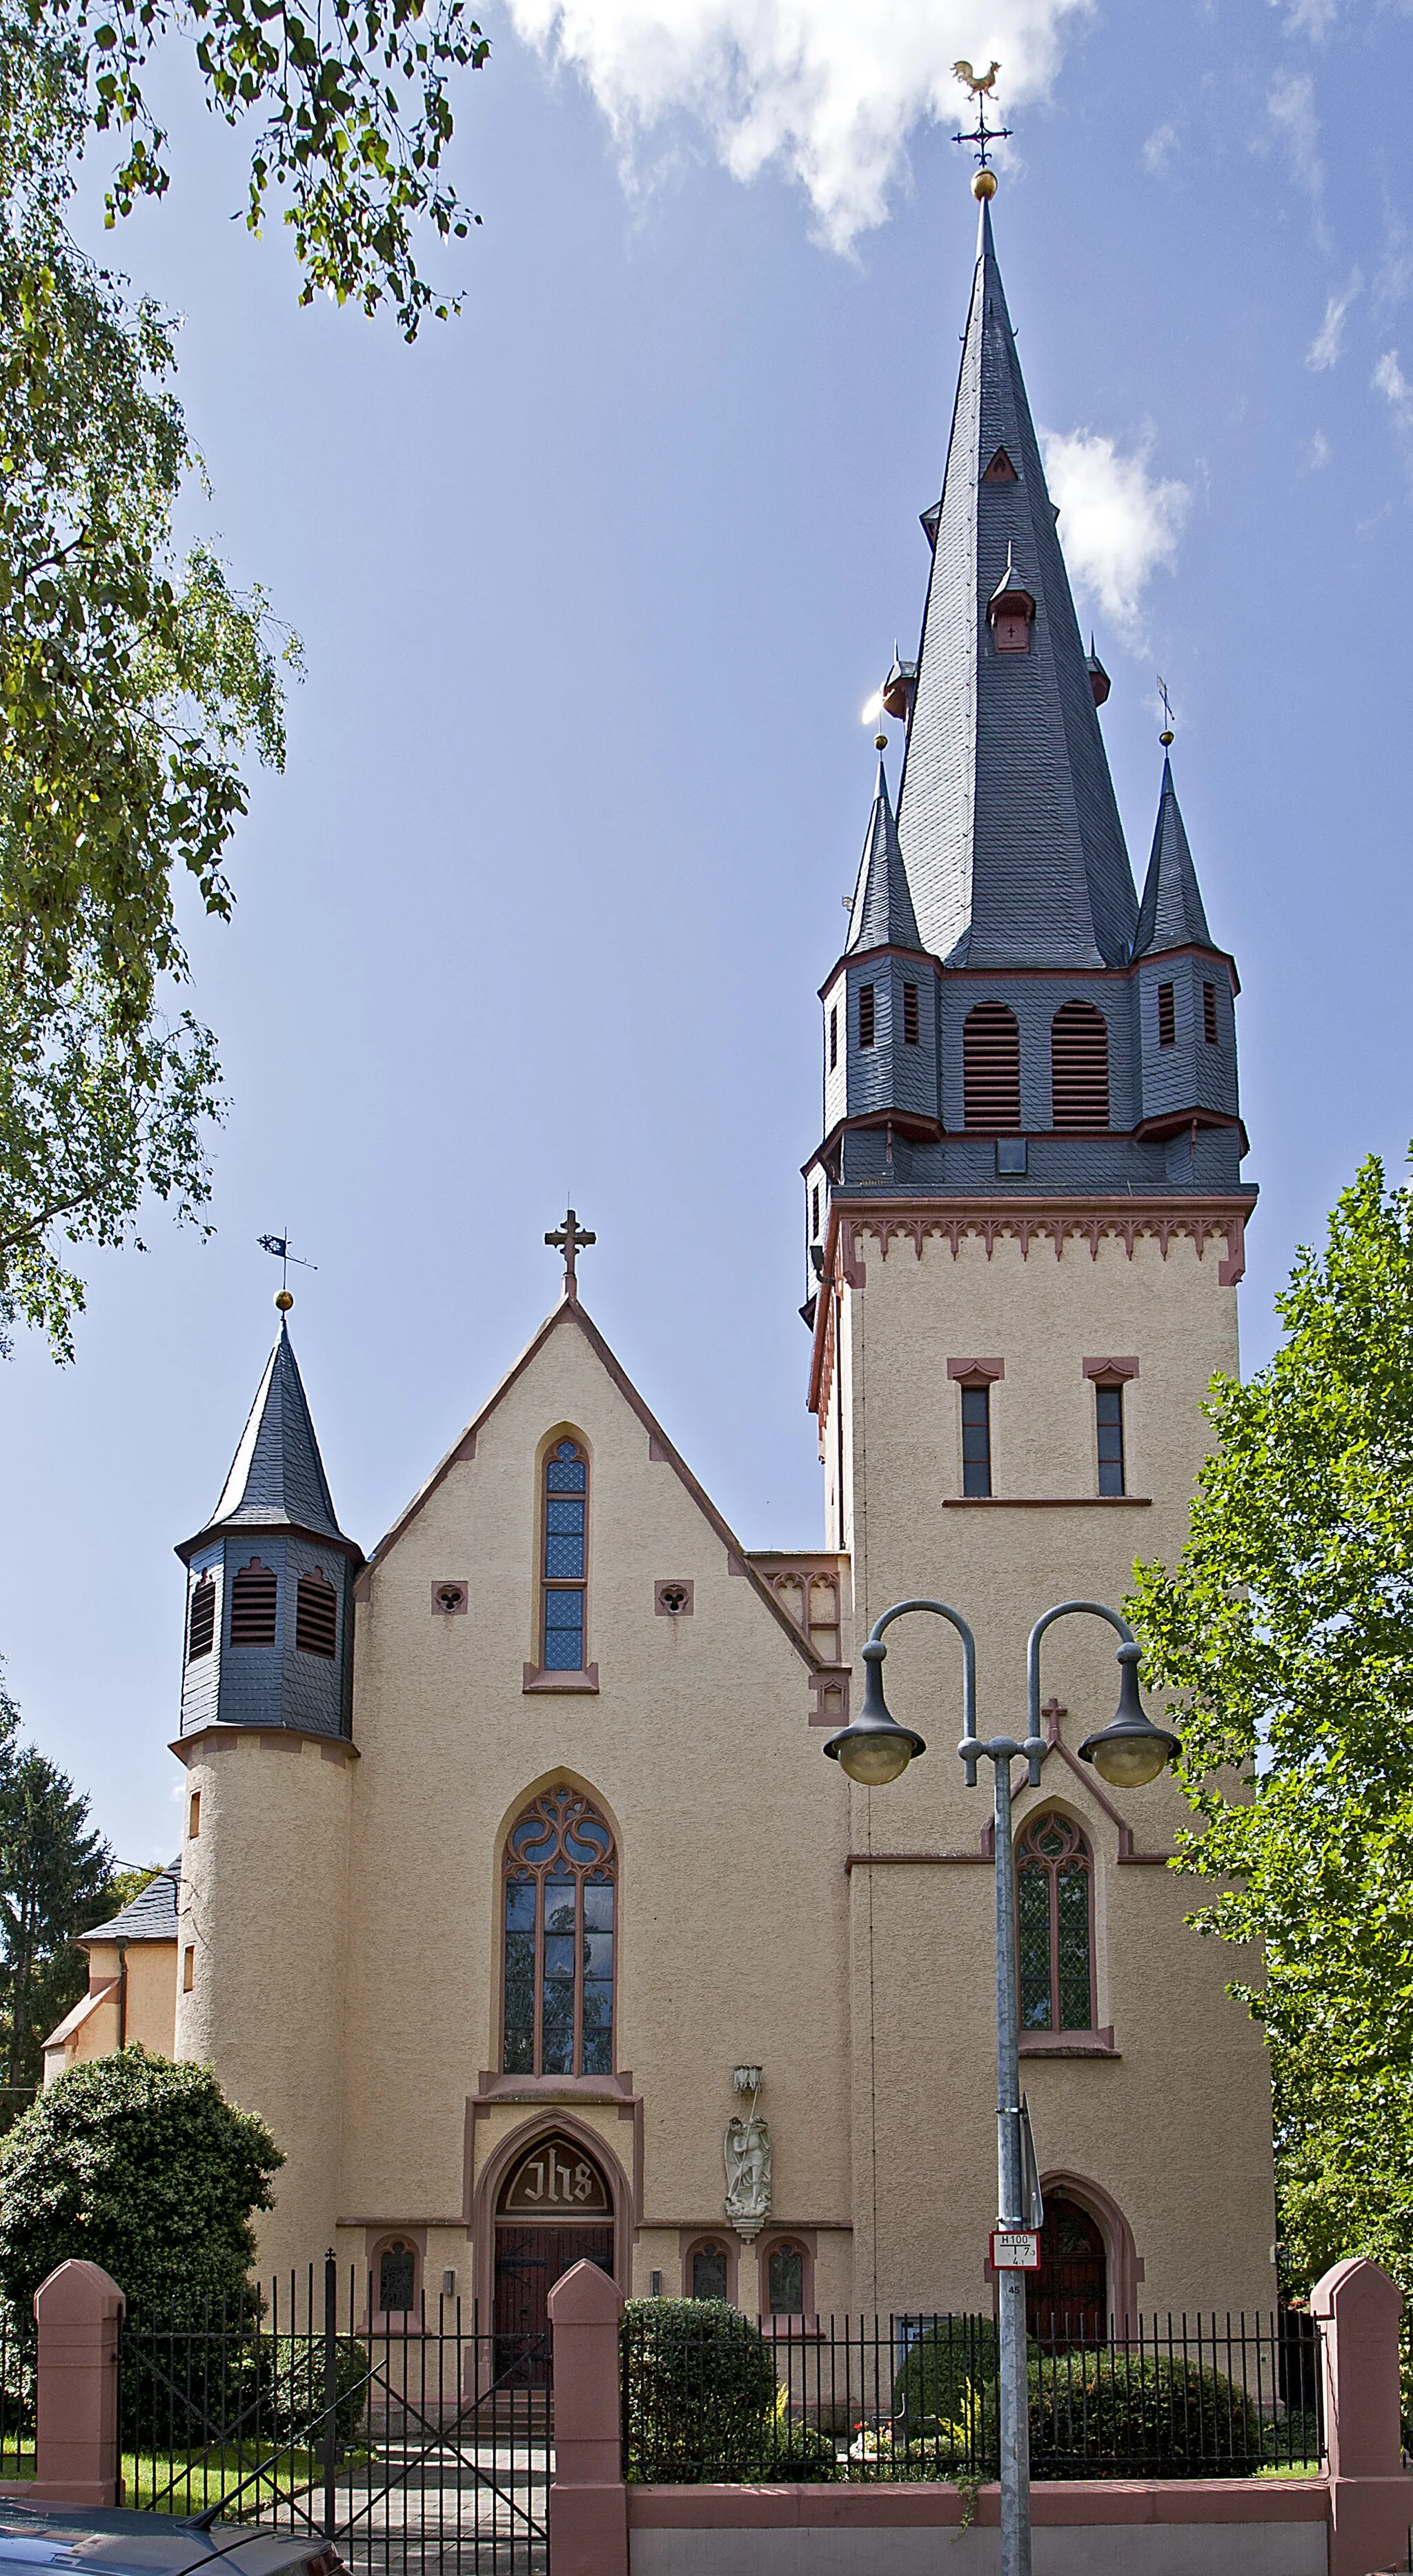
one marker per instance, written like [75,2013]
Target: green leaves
[1287,1625]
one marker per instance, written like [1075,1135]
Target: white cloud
[1390,380]
[824,90]
[1119,522]
[1159,149]
[1291,108]
[1324,349]
[1308,17]
[1318,453]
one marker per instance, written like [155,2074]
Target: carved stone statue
[747,2176]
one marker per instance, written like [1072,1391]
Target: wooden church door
[1066,2301]
[554,2211]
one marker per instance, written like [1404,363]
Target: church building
[515,1892]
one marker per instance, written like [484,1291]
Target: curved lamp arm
[940,1610]
[1062,1610]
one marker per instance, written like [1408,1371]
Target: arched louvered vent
[1079,1066]
[201,1623]
[254,1595]
[991,1068]
[316,1615]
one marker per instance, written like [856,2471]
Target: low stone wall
[1355,2520]
[1110,2527]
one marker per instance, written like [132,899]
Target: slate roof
[1171,914]
[152,1915]
[1010,832]
[277,1475]
[883,913]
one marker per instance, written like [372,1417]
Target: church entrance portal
[555,2209]
[1066,2301]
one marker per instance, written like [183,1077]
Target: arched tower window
[1054,1909]
[565,1542]
[558,1879]
[254,1599]
[991,1069]
[201,1620]
[1079,1066]
[316,1615]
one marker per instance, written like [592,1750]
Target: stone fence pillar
[76,2447]
[588,2502]
[1358,2309]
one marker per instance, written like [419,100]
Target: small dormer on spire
[1010,611]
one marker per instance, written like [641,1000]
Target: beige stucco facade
[341,1902]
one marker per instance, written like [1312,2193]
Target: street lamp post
[875,1750]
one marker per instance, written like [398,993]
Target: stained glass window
[1054,1874]
[397,2277]
[559,1886]
[786,2280]
[709,2272]
[565,1564]
[976,1439]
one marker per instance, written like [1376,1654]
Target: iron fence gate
[412,2440]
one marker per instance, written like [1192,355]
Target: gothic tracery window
[1054,1910]
[564,1540]
[558,1877]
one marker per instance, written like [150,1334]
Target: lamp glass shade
[1128,1761]
[874,1756]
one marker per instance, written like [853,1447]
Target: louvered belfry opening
[254,1599]
[1079,1066]
[991,1068]
[201,1624]
[316,1615]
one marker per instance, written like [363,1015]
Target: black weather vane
[980,86]
[278,1244]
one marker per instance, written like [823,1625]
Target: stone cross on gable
[570,1239]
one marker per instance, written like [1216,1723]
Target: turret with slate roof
[1003,895]
[269,1637]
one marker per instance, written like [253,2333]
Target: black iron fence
[710,2398]
[18,2355]
[413,2440]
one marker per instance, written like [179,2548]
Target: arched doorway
[554,2209]
[1067,2300]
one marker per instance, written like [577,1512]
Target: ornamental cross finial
[979,86]
[570,1239]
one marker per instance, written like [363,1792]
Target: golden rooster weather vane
[979,87]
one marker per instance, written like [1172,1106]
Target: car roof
[140,2544]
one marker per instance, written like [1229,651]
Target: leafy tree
[131,685]
[143,2167]
[55,1880]
[1287,1625]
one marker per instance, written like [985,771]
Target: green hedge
[1093,2413]
[703,2406]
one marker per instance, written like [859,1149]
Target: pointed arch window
[565,1542]
[559,1891]
[991,1069]
[1055,1926]
[1079,1066]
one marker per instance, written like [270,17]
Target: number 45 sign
[1015,2249]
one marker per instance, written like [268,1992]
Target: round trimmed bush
[1105,2414]
[701,2393]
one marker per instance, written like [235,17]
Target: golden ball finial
[283,1300]
[984,185]
[880,742]
[1165,738]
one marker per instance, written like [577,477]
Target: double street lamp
[1130,1751]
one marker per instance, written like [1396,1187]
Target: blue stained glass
[520,2002]
[564,1650]
[564,1514]
[564,1609]
[520,1905]
[564,1557]
[598,1907]
[559,1905]
[566,1475]
[598,1954]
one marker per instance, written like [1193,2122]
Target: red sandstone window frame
[557,1836]
[395,2321]
[778,2240]
[707,2239]
[553,1586]
[1081,1850]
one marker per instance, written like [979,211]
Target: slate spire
[1171,913]
[1009,830]
[883,913]
[277,1475]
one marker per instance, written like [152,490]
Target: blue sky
[593,584]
